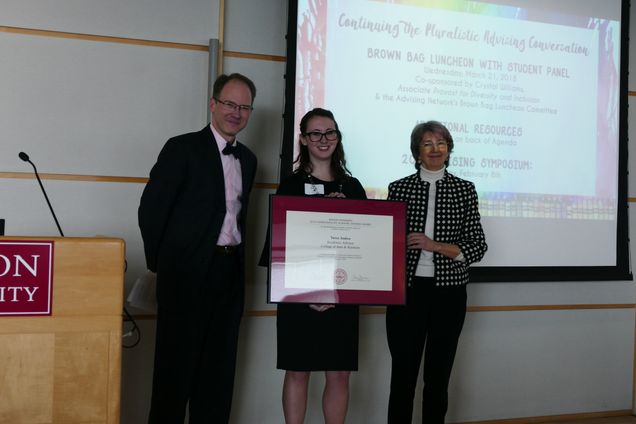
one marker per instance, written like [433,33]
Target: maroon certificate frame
[337,251]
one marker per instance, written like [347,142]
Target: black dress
[309,340]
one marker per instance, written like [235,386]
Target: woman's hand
[336,194]
[321,308]
[420,241]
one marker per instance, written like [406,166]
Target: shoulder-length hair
[434,127]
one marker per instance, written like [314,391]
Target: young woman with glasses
[318,337]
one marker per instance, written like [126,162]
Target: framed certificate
[334,250]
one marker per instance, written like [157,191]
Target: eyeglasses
[231,106]
[316,136]
[440,144]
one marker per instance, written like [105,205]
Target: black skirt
[309,340]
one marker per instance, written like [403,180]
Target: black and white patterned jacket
[457,221]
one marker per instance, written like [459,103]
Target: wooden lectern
[65,368]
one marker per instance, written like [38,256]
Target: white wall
[93,107]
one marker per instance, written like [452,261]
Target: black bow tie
[232,150]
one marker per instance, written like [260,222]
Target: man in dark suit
[192,219]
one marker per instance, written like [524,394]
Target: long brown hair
[338,161]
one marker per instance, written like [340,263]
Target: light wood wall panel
[541,363]
[99,108]
[267,38]
[185,21]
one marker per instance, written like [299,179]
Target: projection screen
[533,92]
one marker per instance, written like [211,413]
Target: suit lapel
[214,166]
[246,170]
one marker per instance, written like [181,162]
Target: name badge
[313,189]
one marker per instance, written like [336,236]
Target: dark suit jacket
[182,210]
[457,221]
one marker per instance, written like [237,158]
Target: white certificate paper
[327,251]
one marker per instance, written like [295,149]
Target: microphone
[25,158]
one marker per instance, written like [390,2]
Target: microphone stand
[25,158]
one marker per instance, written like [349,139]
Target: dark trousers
[195,352]
[431,322]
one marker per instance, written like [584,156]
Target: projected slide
[530,95]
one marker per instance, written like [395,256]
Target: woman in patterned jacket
[444,237]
